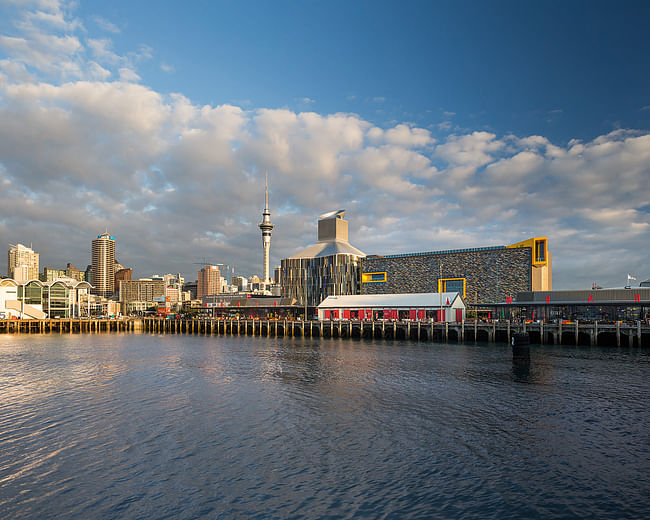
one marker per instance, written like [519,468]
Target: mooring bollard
[521,348]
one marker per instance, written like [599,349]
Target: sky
[436,125]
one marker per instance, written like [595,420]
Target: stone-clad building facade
[480,275]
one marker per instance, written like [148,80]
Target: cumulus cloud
[176,181]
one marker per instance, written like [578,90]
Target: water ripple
[137,426]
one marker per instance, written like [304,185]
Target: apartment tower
[103,265]
[209,281]
[22,263]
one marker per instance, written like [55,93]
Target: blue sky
[569,70]
[435,124]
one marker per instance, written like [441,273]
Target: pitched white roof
[390,301]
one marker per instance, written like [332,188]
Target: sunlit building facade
[330,267]
[103,265]
[209,281]
[22,263]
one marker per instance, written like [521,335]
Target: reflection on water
[144,426]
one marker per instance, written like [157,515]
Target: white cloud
[176,181]
[106,25]
[127,74]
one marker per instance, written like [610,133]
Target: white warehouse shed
[447,306]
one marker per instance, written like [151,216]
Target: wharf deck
[614,334]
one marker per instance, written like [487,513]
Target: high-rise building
[72,272]
[50,274]
[208,282]
[241,282]
[22,263]
[103,265]
[266,228]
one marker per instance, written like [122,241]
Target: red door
[335,315]
[459,315]
[422,315]
[387,314]
[440,315]
[328,315]
[362,314]
[346,314]
[412,314]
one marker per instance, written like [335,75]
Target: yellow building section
[538,246]
[541,263]
[373,277]
[458,285]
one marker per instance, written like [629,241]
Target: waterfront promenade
[627,334]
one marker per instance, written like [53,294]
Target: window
[540,251]
[452,285]
[373,277]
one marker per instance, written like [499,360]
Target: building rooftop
[327,248]
[381,301]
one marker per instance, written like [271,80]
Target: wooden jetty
[619,334]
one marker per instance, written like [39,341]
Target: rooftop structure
[332,238]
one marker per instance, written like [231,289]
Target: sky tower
[266,228]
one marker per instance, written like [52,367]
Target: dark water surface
[143,426]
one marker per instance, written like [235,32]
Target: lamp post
[440,287]
[305,290]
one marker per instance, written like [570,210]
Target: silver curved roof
[327,248]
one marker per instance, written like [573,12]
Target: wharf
[619,334]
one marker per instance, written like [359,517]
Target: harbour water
[164,426]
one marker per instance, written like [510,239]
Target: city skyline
[470,126]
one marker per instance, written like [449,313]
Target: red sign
[637,298]
[590,299]
[508,299]
[548,299]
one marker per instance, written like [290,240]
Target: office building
[22,263]
[103,265]
[75,274]
[50,274]
[142,290]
